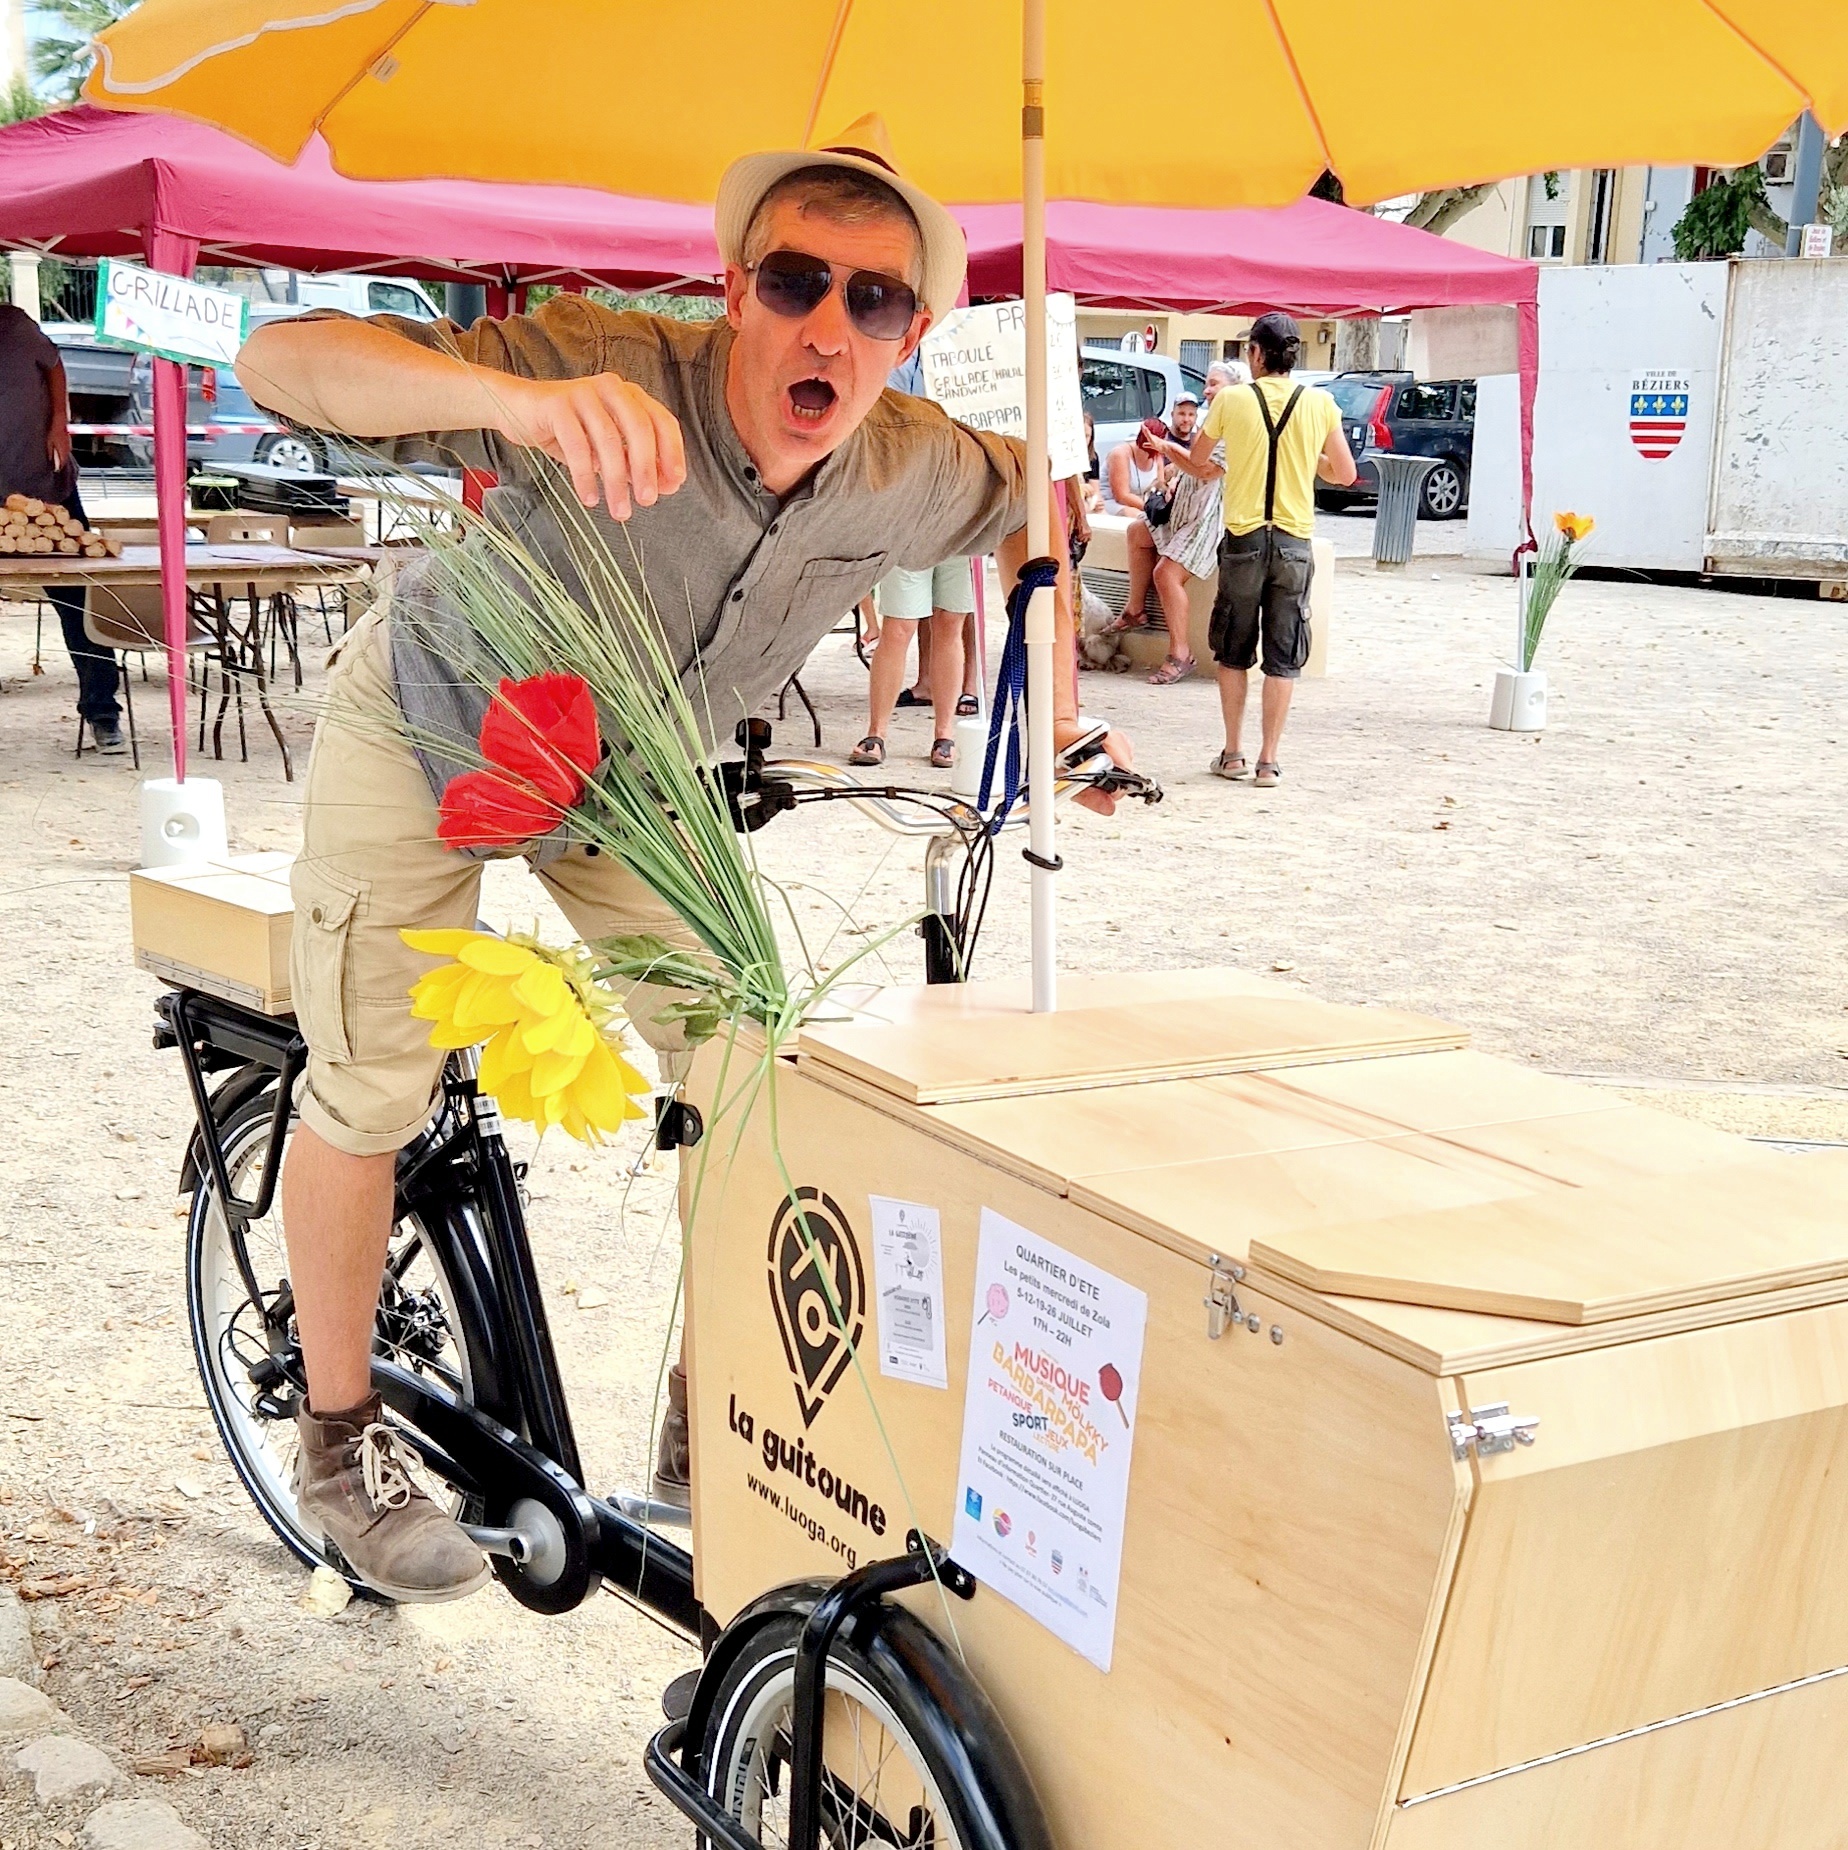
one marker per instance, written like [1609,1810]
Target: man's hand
[618,444]
[1116,747]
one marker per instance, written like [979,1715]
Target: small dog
[1095,649]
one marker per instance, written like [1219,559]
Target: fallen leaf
[168,1765]
[592,1297]
[1281,965]
[137,1682]
[189,1487]
[220,1744]
[57,1586]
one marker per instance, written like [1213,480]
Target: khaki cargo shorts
[371,865]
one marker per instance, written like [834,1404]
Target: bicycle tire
[215,1297]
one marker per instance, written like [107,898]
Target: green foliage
[1716,220]
[61,58]
[649,302]
[19,102]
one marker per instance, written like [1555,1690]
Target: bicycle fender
[246,1083]
[993,1796]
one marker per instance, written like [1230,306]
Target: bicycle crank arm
[527,1496]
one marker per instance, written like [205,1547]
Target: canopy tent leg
[1041,831]
[176,256]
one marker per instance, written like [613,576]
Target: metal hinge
[1222,1305]
[1489,1430]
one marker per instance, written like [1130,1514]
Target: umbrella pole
[1039,624]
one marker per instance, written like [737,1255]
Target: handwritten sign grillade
[975,367]
[156,313]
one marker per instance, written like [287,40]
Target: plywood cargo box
[220,926]
[1489,1481]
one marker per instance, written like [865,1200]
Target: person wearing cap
[1279,437]
[767,479]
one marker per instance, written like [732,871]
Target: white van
[1120,389]
[357,295]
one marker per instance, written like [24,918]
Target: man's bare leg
[1276,709]
[920,682]
[887,674]
[1232,685]
[945,630]
[336,1212]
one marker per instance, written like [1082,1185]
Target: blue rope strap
[1008,716]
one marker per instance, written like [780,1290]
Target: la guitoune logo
[817,1293]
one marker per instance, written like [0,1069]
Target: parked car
[357,295]
[1413,417]
[1121,389]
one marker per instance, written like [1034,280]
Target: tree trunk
[1357,344]
[1439,209]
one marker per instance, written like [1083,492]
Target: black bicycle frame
[513,1442]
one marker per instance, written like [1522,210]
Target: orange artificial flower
[1574,526]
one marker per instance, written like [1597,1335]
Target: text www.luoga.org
[814,1530]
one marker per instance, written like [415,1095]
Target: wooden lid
[1767,1222]
[1192,1027]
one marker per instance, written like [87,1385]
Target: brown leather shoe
[673,1476]
[354,1488]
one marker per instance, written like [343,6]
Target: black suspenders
[1275,433]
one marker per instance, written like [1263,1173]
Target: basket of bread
[29,525]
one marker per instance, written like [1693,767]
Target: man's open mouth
[810,400]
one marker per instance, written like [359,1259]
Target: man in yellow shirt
[1279,437]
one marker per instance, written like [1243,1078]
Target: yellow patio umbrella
[989,101]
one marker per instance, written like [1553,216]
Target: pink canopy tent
[92,183]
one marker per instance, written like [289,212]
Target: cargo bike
[1482,1450]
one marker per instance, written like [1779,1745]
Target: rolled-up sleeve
[563,339]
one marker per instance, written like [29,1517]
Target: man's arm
[58,431]
[617,443]
[1335,465]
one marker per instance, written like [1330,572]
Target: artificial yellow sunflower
[1574,526]
[552,1052]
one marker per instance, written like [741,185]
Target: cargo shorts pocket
[320,976]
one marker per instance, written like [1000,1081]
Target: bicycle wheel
[252,1374]
[883,1783]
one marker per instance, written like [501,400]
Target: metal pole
[1040,623]
[1806,182]
[170,520]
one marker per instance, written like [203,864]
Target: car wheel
[293,450]
[1442,496]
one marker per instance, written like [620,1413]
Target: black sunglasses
[792,284]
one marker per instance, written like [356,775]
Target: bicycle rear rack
[210,1034]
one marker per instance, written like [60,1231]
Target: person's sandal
[943,755]
[1121,626]
[1231,766]
[870,750]
[967,706]
[910,697]
[1172,670]
[1268,774]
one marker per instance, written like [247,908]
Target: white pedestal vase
[1519,701]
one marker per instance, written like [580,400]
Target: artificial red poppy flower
[483,809]
[543,732]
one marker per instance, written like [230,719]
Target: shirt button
[737,597]
[775,526]
[750,475]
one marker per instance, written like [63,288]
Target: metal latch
[1489,1430]
[1222,1305]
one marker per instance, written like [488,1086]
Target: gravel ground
[1650,894]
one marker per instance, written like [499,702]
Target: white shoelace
[385,1460]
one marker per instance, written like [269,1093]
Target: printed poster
[908,1278]
[975,367]
[1055,1365]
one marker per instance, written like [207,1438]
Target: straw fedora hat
[866,148]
